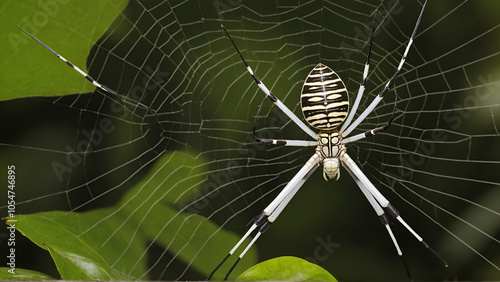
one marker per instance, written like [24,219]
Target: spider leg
[312,164]
[353,169]
[380,212]
[272,211]
[376,206]
[361,85]
[300,143]
[376,130]
[88,77]
[270,95]
[380,96]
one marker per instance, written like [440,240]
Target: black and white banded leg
[362,86]
[88,77]
[271,96]
[375,130]
[386,88]
[380,201]
[380,212]
[300,143]
[273,210]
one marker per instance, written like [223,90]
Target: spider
[325,105]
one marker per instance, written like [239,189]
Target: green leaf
[113,243]
[180,174]
[77,250]
[6,273]
[69,27]
[287,268]
[176,178]
[71,264]
[74,266]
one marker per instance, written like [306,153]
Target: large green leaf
[69,27]
[176,178]
[78,251]
[112,243]
[287,268]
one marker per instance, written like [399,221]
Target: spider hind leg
[273,210]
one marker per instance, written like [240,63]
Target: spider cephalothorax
[330,147]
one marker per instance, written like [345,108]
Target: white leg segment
[353,138]
[289,197]
[311,163]
[350,165]
[355,106]
[271,96]
[301,143]
[378,209]
[375,130]
[360,91]
[243,238]
[295,119]
[276,212]
[283,199]
[249,245]
[298,143]
[309,168]
[362,117]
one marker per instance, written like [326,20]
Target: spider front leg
[362,84]
[376,130]
[101,86]
[270,95]
[300,143]
[386,88]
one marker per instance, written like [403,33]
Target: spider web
[194,154]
